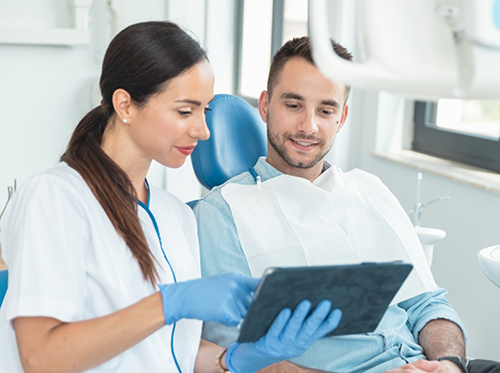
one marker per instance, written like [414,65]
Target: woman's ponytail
[141,59]
[110,185]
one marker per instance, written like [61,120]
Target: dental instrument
[10,193]
[427,236]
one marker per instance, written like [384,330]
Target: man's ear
[122,103]
[263,105]
[343,118]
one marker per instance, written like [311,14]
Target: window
[466,131]
[262,27]
[294,20]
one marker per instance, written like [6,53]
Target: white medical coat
[66,261]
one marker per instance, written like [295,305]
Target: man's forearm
[441,338]
[287,367]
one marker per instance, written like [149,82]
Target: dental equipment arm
[455,55]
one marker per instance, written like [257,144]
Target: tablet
[361,291]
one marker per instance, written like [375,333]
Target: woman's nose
[201,131]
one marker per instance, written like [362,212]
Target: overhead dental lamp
[423,49]
[426,49]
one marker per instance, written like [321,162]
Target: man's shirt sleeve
[220,246]
[220,252]
[427,307]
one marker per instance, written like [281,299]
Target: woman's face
[168,127]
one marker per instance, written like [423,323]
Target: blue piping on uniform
[146,208]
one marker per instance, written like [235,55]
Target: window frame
[276,41]
[469,149]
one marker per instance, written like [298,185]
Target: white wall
[46,90]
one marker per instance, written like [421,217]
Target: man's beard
[280,148]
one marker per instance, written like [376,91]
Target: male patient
[294,208]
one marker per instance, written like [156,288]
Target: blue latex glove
[289,336]
[222,298]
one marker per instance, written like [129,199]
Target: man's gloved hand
[222,298]
[289,336]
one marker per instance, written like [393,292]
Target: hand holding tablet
[289,336]
[361,291]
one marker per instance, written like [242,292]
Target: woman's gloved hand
[289,336]
[222,298]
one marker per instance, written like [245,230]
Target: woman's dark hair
[141,59]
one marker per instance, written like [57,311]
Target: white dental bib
[340,218]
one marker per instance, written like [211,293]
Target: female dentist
[88,241]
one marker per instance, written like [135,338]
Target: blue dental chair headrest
[237,139]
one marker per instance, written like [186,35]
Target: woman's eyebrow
[188,101]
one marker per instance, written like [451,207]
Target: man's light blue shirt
[394,342]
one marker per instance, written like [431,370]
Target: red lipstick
[186,150]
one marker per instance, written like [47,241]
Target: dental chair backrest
[237,139]
[3,284]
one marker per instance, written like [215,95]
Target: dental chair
[237,139]
[3,284]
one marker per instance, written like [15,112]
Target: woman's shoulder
[60,172]
[58,187]
[59,177]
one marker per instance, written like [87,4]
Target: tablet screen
[361,291]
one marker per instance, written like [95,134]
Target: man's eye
[292,106]
[184,113]
[207,109]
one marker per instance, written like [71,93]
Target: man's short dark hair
[299,47]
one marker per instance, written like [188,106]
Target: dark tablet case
[361,291]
